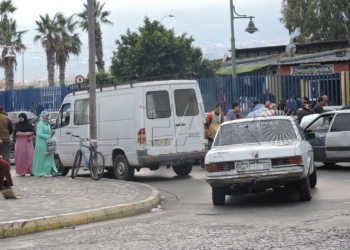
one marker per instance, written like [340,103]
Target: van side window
[81,112]
[186,102]
[341,123]
[63,118]
[158,104]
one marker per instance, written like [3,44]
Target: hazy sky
[208,21]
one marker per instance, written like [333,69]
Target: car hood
[249,152]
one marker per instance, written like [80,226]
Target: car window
[81,112]
[321,125]
[186,102]
[256,132]
[158,104]
[341,123]
[63,118]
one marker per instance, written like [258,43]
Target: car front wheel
[304,189]
[218,196]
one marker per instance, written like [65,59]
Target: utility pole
[92,71]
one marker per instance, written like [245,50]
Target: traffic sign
[79,79]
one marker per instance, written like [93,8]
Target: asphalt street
[188,219]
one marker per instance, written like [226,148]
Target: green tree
[10,37]
[49,32]
[100,16]
[315,20]
[69,43]
[155,51]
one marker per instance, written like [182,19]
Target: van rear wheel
[183,170]
[122,169]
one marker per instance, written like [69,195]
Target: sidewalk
[58,202]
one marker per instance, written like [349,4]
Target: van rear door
[159,122]
[188,118]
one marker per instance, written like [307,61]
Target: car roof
[260,118]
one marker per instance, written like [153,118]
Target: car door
[316,135]
[64,129]
[159,120]
[338,138]
[188,119]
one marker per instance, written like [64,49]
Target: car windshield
[255,132]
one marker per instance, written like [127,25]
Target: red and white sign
[79,79]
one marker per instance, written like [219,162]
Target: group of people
[28,161]
[289,107]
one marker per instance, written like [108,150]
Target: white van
[140,125]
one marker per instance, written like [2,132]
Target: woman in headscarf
[44,165]
[24,150]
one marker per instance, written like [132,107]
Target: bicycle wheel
[97,166]
[76,165]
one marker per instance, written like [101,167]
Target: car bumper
[279,175]
[146,160]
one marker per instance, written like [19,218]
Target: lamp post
[165,17]
[250,29]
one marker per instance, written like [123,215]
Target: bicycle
[96,162]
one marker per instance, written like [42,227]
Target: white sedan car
[252,155]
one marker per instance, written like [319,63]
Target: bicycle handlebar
[81,137]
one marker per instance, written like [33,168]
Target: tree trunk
[62,74]
[9,76]
[99,51]
[50,56]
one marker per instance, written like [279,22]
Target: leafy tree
[49,31]
[11,37]
[314,20]
[156,51]
[101,77]
[69,43]
[100,18]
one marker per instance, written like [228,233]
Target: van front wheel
[122,169]
[182,170]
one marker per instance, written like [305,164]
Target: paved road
[189,220]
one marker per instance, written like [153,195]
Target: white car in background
[252,155]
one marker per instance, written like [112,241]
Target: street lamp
[165,17]
[250,29]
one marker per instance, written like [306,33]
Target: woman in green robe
[43,165]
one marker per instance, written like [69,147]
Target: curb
[22,227]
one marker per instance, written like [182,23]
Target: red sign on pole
[79,79]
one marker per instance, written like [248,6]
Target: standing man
[222,99]
[233,114]
[325,98]
[268,96]
[213,120]
[304,111]
[5,132]
[318,109]
[292,105]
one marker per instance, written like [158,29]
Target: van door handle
[321,137]
[68,133]
[180,124]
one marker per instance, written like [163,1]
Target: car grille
[219,167]
[296,160]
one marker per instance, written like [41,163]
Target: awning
[240,70]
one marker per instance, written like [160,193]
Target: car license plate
[252,166]
[161,143]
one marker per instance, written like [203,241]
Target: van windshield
[255,132]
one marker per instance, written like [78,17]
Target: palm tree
[100,18]
[6,7]
[49,30]
[69,44]
[11,37]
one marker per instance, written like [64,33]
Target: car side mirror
[309,135]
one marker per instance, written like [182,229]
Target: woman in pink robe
[24,150]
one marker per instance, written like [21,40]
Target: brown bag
[213,128]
